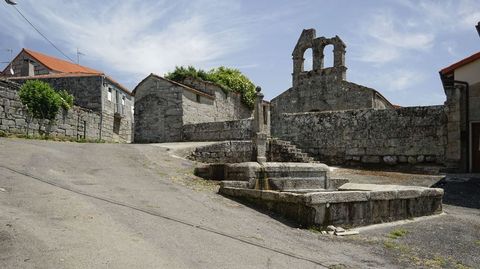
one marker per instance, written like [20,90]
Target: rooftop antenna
[78,55]
[11,62]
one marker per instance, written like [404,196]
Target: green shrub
[229,79]
[43,102]
[67,99]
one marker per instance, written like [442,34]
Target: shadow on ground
[460,191]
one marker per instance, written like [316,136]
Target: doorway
[475,149]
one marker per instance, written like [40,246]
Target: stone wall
[158,112]
[406,135]
[85,89]
[322,94]
[117,113]
[224,152]
[19,64]
[76,123]
[224,106]
[91,92]
[218,131]
[163,107]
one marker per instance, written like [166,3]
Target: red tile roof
[451,68]
[64,69]
[58,65]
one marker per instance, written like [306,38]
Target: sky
[394,46]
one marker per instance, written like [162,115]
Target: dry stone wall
[76,123]
[390,136]
[218,131]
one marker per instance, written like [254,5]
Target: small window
[123,100]
[109,94]
[198,98]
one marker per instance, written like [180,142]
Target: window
[109,94]
[123,100]
[198,98]
[308,60]
[328,60]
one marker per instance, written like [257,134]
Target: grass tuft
[395,234]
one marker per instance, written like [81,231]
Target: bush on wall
[42,101]
[229,79]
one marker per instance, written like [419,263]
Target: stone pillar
[339,61]
[453,152]
[259,128]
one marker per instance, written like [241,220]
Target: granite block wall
[91,92]
[218,131]
[76,123]
[158,112]
[85,89]
[222,107]
[389,136]
[224,152]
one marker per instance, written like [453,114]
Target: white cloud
[136,37]
[399,79]
[386,38]
[390,34]
[446,15]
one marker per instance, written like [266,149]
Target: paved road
[70,205]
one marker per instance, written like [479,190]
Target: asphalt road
[71,205]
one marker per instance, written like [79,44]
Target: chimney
[28,69]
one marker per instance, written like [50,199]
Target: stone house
[461,82]
[323,88]
[92,90]
[164,107]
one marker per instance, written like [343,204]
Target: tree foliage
[42,101]
[229,79]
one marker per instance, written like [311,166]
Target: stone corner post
[260,128]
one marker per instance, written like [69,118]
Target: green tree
[43,102]
[229,79]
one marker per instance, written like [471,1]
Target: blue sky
[394,46]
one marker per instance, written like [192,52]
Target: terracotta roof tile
[58,65]
[451,68]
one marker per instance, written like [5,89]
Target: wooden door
[476,147]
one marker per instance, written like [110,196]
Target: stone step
[234,184]
[304,190]
[289,151]
[291,183]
